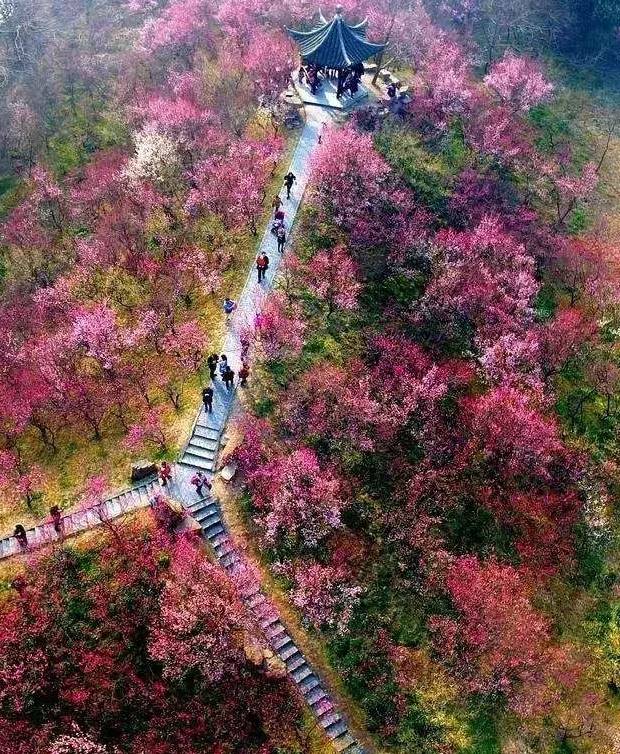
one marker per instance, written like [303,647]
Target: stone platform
[326,95]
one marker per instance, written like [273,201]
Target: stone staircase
[201,450]
[73,523]
[208,513]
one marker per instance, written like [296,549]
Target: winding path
[201,453]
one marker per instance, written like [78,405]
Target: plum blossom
[519,82]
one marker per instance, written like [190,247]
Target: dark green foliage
[426,175]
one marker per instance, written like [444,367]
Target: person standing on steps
[20,535]
[201,480]
[262,265]
[212,364]
[207,398]
[281,236]
[165,473]
[229,378]
[229,308]
[244,373]
[56,515]
[276,203]
[223,365]
[289,179]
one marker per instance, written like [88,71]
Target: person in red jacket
[244,373]
[262,265]
[165,473]
[56,515]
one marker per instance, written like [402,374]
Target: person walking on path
[229,308]
[289,179]
[223,365]
[207,399]
[212,364]
[20,535]
[322,128]
[281,236]
[201,480]
[244,373]
[276,203]
[56,515]
[165,473]
[229,378]
[262,265]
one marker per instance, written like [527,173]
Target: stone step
[262,609]
[309,684]
[200,505]
[204,430]
[328,719]
[204,442]
[301,674]
[336,729]
[206,519]
[275,633]
[269,621]
[287,651]
[224,548]
[280,640]
[323,705]
[317,695]
[198,450]
[218,539]
[295,662]
[195,462]
[255,600]
[347,744]
[229,560]
[213,529]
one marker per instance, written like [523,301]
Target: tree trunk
[380,56]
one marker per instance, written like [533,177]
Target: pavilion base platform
[326,95]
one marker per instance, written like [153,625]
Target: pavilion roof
[335,44]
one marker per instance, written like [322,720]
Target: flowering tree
[332,277]
[278,328]
[149,431]
[156,159]
[511,437]
[519,82]
[498,643]
[296,497]
[324,595]
[202,624]
[483,280]
[76,743]
[233,185]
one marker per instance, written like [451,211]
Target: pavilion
[337,48]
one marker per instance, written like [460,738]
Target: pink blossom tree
[278,327]
[332,277]
[148,432]
[519,82]
[325,595]
[297,497]
[202,623]
[233,185]
[498,643]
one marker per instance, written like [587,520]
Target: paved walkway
[202,448]
[201,453]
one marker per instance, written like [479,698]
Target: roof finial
[339,11]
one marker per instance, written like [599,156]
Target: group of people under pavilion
[334,50]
